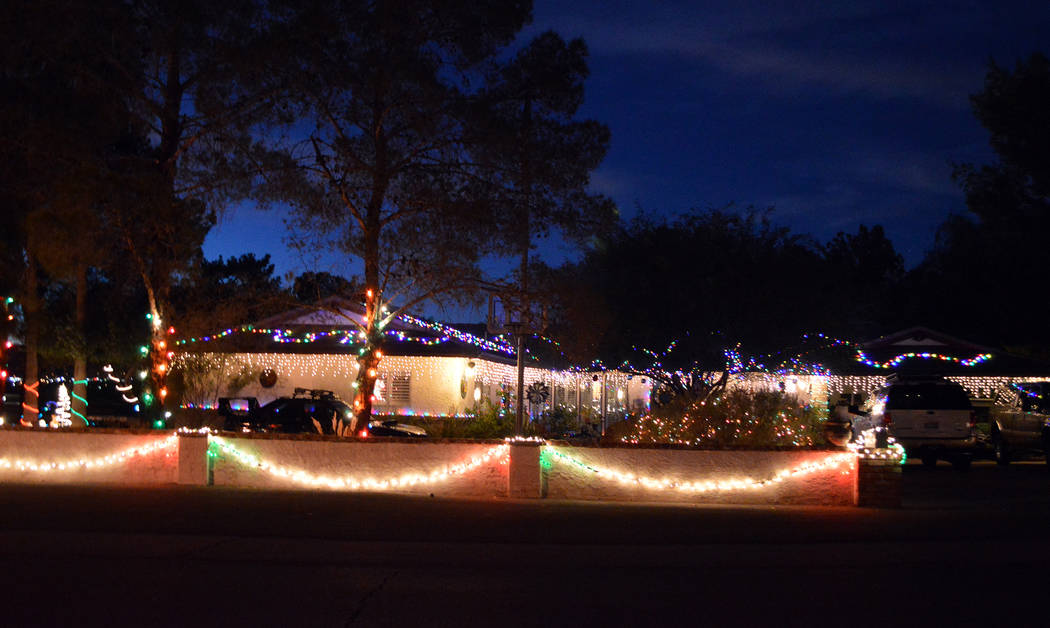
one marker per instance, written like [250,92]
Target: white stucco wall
[45,447]
[828,487]
[439,386]
[376,460]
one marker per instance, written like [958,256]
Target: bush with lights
[732,417]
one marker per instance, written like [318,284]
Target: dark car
[305,412]
[393,428]
[1020,422]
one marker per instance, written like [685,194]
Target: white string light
[704,486]
[305,478]
[90,463]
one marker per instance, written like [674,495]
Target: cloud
[871,49]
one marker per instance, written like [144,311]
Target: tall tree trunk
[368,361]
[78,405]
[31,310]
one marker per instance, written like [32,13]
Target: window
[399,389]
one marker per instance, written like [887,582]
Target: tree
[311,287]
[705,280]
[382,173]
[200,89]
[537,159]
[60,121]
[222,293]
[984,276]
[862,272]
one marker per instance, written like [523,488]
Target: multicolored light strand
[896,360]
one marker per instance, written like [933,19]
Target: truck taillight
[887,420]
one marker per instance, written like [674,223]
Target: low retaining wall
[363,460]
[451,468]
[831,486]
[47,456]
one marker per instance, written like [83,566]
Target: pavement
[965,548]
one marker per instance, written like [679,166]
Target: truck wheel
[1002,453]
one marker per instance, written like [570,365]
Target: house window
[399,389]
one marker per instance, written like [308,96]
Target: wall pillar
[878,483]
[524,477]
[194,462]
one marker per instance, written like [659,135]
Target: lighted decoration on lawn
[61,416]
[158,445]
[218,444]
[896,360]
[832,461]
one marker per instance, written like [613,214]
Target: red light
[363,434]
[171,330]
[3,374]
[8,344]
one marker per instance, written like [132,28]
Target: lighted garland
[1026,393]
[91,463]
[218,444]
[896,360]
[832,461]
[462,336]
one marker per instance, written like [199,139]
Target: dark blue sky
[834,113]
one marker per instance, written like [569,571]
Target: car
[931,417]
[391,427]
[1020,422]
[307,411]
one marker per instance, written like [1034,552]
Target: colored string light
[301,476]
[832,461]
[896,360]
[30,389]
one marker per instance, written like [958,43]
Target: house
[850,371]
[428,368]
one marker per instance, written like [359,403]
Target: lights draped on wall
[832,461]
[303,477]
[157,445]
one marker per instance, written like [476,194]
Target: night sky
[834,113]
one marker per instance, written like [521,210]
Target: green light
[158,424]
[144,350]
[147,398]
[149,317]
[10,300]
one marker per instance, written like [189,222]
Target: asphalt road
[966,548]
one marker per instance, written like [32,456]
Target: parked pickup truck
[930,416]
[1020,422]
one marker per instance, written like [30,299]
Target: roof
[925,351]
[331,327]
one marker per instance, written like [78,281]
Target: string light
[832,461]
[306,478]
[91,463]
[896,360]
